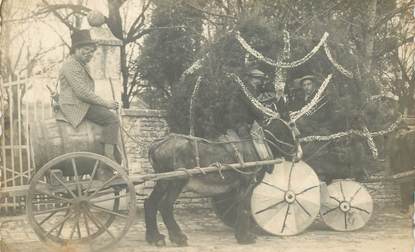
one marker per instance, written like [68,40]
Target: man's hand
[113,105]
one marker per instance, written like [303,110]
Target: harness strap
[174,153]
[238,154]
[197,156]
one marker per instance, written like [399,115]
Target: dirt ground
[387,231]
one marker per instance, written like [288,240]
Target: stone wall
[143,126]
[384,194]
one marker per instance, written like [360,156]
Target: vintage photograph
[221,125]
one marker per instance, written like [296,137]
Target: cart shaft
[138,179]
[185,173]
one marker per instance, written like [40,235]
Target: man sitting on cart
[77,98]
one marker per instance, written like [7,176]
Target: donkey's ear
[256,129]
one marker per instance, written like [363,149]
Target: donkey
[185,152]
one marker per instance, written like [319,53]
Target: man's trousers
[104,117]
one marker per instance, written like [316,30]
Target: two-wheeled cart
[67,205]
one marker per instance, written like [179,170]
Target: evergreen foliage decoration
[222,103]
[168,52]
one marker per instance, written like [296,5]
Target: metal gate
[16,167]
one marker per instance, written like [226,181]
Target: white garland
[280,73]
[280,78]
[271,62]
[323,42]
[384,95]
[391,128]
[316,108]
[258,105]
[194,67]
[308,56]
[287,45]
[340,68]
[254,52]
[370,142]
[192,102]
[294,116]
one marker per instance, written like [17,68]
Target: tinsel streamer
[308,56]
[370,142]
[194,67]
[254,52]
[391,128]
[280,73]
[339,68]
[269,61]
[294,116]
[258,105]
[192,103]
[316,108]
[381,96]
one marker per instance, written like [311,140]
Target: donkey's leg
[243,217]
[151,204]
[166,209]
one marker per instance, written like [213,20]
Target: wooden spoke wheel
[82,210]
[287,201]
[347,207]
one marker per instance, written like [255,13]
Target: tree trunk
[124,73]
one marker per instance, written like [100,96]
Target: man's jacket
[76,91]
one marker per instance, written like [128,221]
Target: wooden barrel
[52,138]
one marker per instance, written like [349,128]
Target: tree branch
[19,55]
[80,9]
[148,30]
[56,32]
[59,16]
[207,12]
[139,21]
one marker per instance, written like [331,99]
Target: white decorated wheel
[287,201]
[348,206]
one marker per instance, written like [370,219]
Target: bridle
[294,148]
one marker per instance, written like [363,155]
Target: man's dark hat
[299,82]
[81,38]
[307,77]
[256,73]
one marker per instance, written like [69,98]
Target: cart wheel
[287,201]
[79,212]
[347,207]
